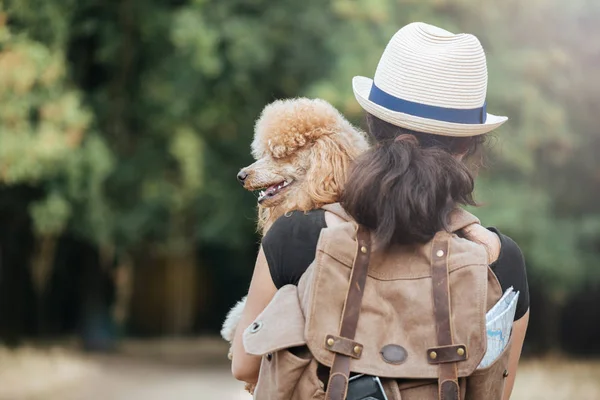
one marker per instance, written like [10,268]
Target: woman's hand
[246,367]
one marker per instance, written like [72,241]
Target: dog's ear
[264,214]
[330,158]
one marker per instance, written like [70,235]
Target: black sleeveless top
[291,242]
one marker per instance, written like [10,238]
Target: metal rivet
[440,253]
[460,351]
[433,355]
[357,350]
[255,327]
[363,250]
[330,342]
[269,356]
[505,374]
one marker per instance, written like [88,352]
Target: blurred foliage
[174,88]
[47,139]
[133,117]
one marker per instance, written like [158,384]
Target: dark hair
[406,185]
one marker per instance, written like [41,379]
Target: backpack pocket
[288,370]
[416,389]
[279,326]
[488,383]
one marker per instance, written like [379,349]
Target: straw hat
[430,80]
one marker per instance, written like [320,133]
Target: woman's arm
[245,367]
[518,336]
[491,241]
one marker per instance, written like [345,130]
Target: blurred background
[125,238]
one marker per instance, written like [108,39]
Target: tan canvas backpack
[413,316]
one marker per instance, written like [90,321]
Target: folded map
[498,324]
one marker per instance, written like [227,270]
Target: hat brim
[362,88]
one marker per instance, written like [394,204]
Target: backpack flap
[279,326]
[397,328]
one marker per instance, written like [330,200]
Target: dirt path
[199,370]
[122,378]
[127,379]
[178,369]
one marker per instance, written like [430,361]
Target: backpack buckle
[343,346]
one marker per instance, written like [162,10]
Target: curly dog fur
[306,144]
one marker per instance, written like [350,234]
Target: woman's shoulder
[506,261]
[510,257]
[486,237]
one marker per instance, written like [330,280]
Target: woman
[427,116]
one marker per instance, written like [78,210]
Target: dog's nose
[241,176]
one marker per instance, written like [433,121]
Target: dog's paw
[232,320]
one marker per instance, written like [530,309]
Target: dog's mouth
[272,191]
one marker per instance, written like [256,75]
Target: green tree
[47,141]
[173,88]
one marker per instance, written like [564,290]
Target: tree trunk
[98,328]
[164,293]
[42,263]
[123,279]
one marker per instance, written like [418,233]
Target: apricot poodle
[303,150]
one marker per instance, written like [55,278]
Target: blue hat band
[456,115]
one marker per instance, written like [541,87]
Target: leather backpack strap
[336,208]
[460,218]
[344,347]
[447,354]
